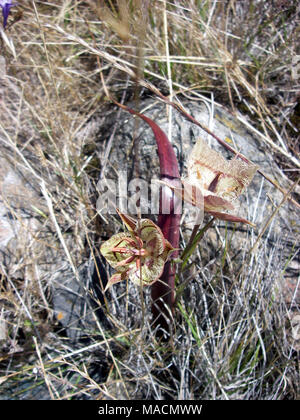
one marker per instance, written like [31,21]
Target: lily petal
[150,271]
[139,254]
[115,278]
[233,176]
[152,236]
[231,218]
[213,182]
[115,258]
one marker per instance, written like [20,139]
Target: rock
[257,203]
[275,230]
[18,223]
[22,231]
[30,253]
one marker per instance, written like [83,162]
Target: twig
[168,70]
[48,383]
[128,68]
[58,230]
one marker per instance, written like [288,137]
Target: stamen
[213,185]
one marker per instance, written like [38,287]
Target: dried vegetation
[235,334]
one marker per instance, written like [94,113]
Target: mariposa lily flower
[214,183]
[138,254]
[6,5]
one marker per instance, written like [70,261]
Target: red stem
[163,291]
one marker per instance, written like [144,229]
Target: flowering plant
[142,253]
[138,254]
[6,5]
[214,182]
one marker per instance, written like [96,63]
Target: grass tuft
[235,331]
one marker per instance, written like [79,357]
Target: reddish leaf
[163,290]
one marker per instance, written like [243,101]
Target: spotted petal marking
[114,257]
[152,236]
[151,270]
[209,170]
[213,183]
[139,254]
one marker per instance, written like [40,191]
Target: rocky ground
[25,256]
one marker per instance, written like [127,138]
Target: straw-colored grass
[232,329]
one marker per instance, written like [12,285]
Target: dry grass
[232,336]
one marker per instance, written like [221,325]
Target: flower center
[141,252]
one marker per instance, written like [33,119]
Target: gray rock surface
[19,226]
[259,201]
[274,240]
[118,158]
